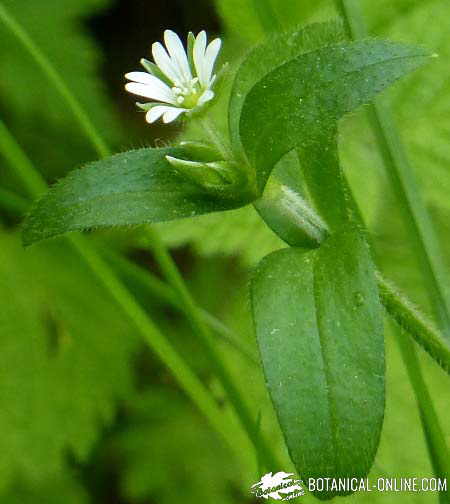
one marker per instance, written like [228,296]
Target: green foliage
[66,356]
[418,103]
[320,331]
[65,359]
[319,87]
[135,187]
[63,489]
[271,54]
[34,109]
[324,179]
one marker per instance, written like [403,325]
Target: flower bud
[290,217]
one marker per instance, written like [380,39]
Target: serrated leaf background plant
[247,273]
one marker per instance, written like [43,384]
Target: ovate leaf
[275,51]
[319,327]
[301,99]
[134,187]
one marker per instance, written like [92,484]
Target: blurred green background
[87,413]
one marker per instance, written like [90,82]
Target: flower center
[187,93]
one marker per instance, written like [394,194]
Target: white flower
[179,80]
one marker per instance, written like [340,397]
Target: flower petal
[199,56]
[211,54]
[155,113]
[163,60]
[177,54]
[153,89]
[205,97]
[172,114]
[141,77]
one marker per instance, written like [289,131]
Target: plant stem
[55,78]
[416,216]
[174,278]
[403,181]
[211,131]
[436,442]
[414,323]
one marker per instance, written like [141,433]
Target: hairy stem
[414,323]
[211,132]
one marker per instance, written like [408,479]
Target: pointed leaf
[302,98]
[320,332]
[134,187]
[275,51]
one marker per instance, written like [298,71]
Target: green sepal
[148,106]
[198,172]
[190,52]
[155,71]
[201,151]
[217,177]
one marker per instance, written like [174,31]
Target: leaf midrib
[323,350]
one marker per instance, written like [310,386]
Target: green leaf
[271,54]
[324,179]
[303,98]
[320,332]
[131,188]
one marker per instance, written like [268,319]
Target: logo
[278,486]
